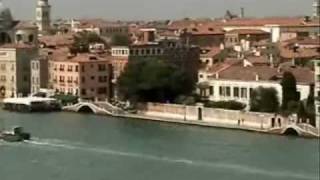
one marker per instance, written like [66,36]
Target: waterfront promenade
[189,115]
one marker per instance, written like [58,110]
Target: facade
[15,70]
[237,82]
[43,16]
[86,76]
[317,93]
[39,74]
[235,37]
[100,27]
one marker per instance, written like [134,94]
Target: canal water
[68,146]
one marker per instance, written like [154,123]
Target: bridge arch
[85,109]
[291,131]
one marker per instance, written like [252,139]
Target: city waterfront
[81,146]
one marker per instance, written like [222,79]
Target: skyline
[109,9]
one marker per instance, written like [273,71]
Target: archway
[86,109]
[291,132]
[5,38]
[2,91]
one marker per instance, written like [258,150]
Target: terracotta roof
[282,21]
[266,73]
[100,23]
[63,54]
[210,51]
[18,46]
[304,41]
[57,40]
[302,53]
[205,30]
[26,25]
[247,31]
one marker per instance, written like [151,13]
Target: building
[317,93]
[101,27]
[39,74]
[87,76]
[15,69]
[316,9]
[18,46]
[43,16]
[238,36]
[12,31]
[203,35]
[237,80]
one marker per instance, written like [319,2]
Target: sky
[160,9]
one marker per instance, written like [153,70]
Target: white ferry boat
[31,104]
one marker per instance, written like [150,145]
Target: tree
[289,90]
[232,105]
[82,41]
[151,80]
[120,40]
[264,100]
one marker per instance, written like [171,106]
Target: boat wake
[238,168]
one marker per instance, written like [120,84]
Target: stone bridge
[301,129]
[102,108]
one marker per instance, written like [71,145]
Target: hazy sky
[160,9]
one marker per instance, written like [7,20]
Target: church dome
[6,19]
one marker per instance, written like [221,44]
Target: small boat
[17,135]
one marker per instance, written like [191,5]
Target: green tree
[264,100]
[120,40]
[150,80]
[82,41]
[289,90]
[232,105]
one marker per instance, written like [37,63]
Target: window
[31,38]
[103,79]
[70,68]
[61,79]
[236,92]
[83,91]
[3,67]
[228,91]
[61,67]
[92,77]
[102,90]
[83,79]
[3,78]
[244,93]
[211,90]
[82,68]
[77,68]
[19,37]
[102,67]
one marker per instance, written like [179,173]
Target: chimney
[217,75]
[242,13]
[257,77]
[149,35]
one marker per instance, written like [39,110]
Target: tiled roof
[266,73]
[247,31]
[304,53]
[210,51]
[57,40]
[18,46]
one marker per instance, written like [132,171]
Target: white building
[317,92]
[236,82]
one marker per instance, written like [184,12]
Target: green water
[69,146]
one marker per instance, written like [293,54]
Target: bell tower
[43,16]
[316,8]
